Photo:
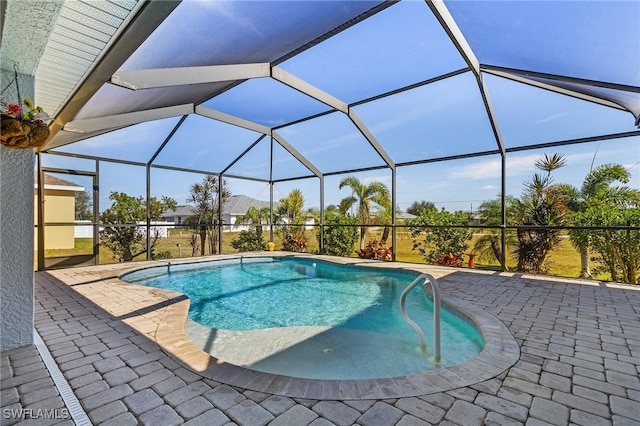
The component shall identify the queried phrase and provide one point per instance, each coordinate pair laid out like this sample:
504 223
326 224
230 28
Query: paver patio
579 360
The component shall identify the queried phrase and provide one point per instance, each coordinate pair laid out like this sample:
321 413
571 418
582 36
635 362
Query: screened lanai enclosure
510 128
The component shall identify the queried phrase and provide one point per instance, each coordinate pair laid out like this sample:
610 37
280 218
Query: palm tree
489 244
542 204
363 195
344 206
596 187
256 217
290 212
205 198
384 214
291 206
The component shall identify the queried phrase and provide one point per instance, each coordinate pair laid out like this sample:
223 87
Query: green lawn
564 260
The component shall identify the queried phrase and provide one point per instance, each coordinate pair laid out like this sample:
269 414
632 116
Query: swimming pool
310 319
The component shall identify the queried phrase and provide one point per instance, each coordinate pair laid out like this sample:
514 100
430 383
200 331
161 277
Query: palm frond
601 178
549 163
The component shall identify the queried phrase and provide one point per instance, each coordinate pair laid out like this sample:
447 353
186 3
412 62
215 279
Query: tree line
597 203
441 237
540 216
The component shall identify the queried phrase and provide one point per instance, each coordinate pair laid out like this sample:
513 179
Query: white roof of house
236 205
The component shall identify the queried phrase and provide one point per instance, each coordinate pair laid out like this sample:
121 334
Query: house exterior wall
16 228
234 225
59 207
174 219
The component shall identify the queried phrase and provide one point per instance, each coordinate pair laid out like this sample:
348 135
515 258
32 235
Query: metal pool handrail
436 311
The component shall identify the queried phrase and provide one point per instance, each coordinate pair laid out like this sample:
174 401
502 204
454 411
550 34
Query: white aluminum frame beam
450 26
232 119
235 160
562 78
302 86
150 15
308 89
166 77
64 138
249 125
553 88
488 105
298 156
372 139
127 119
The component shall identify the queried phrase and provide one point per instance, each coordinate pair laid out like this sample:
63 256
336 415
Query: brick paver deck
579 360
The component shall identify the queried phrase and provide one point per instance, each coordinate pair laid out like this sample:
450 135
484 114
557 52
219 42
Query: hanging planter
15 133
23 129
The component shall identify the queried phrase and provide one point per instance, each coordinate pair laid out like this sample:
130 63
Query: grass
82 246
564 260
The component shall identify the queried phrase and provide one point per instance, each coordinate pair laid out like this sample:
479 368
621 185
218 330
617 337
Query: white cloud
227 10
411 115
551 118
489 187
384 179
482 169
574 159
491 169
517 165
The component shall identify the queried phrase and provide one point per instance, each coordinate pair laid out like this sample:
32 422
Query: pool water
312 319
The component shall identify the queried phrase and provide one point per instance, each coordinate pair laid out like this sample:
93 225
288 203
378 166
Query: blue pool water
346 304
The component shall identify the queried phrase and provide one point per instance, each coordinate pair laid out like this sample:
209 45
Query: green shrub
449 260
615 251
164 254
339 240
435 241
375 250
249 241
294 242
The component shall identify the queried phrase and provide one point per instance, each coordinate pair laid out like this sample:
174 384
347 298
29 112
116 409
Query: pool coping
500 352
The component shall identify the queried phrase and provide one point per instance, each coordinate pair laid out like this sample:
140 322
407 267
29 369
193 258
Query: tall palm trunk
213 240
363 231
193 242
203 239
385 235
585 272
496 247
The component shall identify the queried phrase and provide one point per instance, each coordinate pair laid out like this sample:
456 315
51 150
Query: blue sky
455 185
436 120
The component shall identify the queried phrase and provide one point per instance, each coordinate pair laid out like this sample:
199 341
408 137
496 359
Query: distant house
59 207
404 216
237 206
234 207
178 215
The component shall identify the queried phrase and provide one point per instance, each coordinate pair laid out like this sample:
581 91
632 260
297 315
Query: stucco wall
16 235
16 248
